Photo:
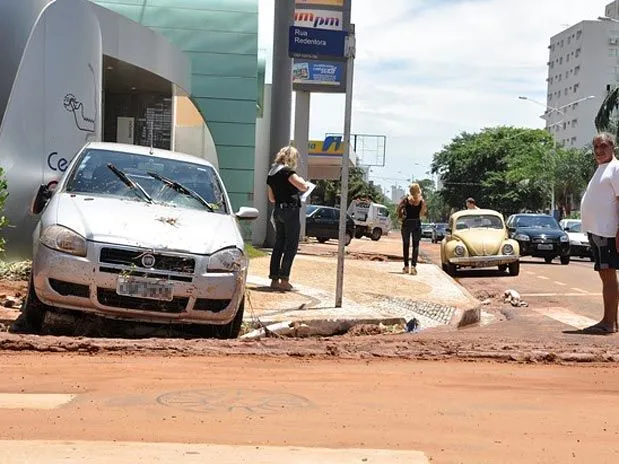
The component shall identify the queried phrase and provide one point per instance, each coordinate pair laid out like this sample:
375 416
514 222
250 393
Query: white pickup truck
371 219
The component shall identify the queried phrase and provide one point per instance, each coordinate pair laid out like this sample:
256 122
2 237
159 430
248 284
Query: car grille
545 240
134 258
113 270
109 297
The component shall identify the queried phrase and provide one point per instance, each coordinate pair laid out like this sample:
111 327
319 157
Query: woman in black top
284 187
410 210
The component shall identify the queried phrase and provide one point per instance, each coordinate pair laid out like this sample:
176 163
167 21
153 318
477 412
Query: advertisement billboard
319 73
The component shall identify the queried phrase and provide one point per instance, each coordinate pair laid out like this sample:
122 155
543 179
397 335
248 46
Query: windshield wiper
133 185
177 186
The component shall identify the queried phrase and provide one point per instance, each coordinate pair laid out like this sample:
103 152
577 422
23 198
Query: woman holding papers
284 189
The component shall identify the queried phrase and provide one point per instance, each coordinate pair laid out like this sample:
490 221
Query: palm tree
606 120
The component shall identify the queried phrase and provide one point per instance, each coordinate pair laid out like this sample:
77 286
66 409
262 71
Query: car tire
451 269
502 267
347 239
591 258
358 234
549 259
233 328
322 239
514 268
32 313
376 234
565 259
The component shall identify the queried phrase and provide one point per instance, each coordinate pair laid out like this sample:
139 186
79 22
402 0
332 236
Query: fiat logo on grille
148 260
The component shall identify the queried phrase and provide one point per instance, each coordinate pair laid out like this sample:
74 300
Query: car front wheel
32 313
322 239
347 239
565 259
376 234
514 268
548 259
233 328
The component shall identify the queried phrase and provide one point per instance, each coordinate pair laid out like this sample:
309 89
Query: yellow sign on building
330 146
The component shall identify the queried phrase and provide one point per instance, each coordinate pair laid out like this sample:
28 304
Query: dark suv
323 223
539 235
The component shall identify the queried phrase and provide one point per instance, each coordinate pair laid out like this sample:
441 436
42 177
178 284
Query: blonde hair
415 190
288 156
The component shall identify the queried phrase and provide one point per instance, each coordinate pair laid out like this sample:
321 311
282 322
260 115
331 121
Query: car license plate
145 288
544 246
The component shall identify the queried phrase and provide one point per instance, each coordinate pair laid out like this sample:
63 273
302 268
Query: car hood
140 224
481 242
578 237
537 231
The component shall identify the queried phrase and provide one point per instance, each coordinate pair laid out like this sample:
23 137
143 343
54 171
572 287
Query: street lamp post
549 111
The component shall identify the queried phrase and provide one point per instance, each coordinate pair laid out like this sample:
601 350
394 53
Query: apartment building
583 62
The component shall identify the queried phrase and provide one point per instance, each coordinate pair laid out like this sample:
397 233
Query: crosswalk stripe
34 400
567 317
56 452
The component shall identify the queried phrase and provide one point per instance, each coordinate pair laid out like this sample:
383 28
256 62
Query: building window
576 69
567 58
577 53
612 52
576 87
578 34
566 74
561 60
574 122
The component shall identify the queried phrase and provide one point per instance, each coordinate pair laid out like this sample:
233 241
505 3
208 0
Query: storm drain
427 313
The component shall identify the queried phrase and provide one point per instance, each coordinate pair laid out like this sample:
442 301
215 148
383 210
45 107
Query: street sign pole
350 64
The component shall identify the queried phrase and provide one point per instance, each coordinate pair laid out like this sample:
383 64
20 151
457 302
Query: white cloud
427 70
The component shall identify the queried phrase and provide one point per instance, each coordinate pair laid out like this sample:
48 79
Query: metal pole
350 66
281 91
552 183
301 141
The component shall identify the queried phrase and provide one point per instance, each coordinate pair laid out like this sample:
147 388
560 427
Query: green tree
327 192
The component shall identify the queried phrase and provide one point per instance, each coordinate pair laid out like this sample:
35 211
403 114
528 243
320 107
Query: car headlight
459 250
508 249
522 238
227 260
564 238
63 239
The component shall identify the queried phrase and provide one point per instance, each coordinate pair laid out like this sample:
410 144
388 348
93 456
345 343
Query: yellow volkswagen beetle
478 238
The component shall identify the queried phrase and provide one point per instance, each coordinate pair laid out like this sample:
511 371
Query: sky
427 70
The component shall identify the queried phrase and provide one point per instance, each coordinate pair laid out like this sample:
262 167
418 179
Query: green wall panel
217 64
221 40
231 111
238 135
236 157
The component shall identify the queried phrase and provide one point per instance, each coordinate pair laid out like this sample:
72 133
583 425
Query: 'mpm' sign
319 19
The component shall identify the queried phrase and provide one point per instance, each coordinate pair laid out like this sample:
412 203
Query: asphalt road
558 291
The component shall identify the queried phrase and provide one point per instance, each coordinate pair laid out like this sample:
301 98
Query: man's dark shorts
604 252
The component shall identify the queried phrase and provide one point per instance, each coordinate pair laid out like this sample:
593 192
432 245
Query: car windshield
441 226
575 227
311 209
481 221
537 222
101 173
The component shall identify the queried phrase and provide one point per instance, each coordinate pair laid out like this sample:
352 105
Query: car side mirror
41 198
511 229
448 230
246 213
567 229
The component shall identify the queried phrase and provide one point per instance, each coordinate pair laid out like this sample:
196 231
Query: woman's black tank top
412 211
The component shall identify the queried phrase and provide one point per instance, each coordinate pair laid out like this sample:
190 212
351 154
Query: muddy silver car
139 234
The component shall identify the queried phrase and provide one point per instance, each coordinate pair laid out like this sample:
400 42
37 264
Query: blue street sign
306 42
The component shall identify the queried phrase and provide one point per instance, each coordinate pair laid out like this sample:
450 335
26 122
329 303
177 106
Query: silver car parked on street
138 234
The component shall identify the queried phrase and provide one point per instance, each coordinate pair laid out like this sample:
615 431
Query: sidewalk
375 290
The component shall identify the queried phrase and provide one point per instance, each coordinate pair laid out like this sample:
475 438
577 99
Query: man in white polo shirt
600 219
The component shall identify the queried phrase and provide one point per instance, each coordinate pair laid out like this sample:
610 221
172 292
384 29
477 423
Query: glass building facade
220 37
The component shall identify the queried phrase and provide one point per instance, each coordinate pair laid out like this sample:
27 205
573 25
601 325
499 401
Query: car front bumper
544 249
580 250
483 261
85 284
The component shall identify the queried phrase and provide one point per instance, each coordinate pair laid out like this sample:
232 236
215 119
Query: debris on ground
513 297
